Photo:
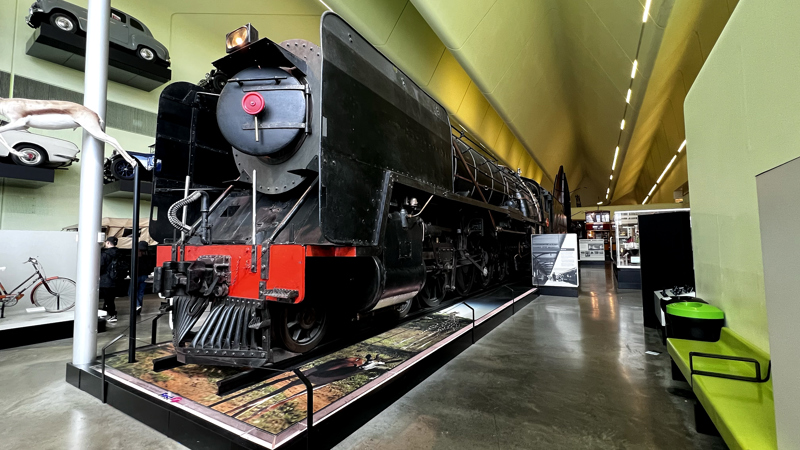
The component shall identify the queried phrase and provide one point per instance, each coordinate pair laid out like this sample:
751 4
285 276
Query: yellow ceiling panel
498 40
449 82
414 43
467 14
505 139
490 127
375 19
473 108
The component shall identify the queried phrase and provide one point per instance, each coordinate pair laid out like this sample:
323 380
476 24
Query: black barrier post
154 331
309 405
103 368
473 320
134 287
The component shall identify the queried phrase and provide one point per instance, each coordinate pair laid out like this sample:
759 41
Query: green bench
731 380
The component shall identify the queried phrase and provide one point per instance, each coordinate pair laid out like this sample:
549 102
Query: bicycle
54 294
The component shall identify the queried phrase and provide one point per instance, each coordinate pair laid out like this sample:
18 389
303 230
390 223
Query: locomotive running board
179 402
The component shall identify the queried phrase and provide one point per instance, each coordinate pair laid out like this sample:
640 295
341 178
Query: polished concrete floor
563 373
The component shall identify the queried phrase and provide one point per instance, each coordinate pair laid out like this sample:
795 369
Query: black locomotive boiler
302 185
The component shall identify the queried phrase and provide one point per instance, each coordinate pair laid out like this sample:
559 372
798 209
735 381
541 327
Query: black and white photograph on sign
592 250
598 216
555 259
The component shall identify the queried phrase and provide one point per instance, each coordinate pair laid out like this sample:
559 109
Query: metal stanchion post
134 287
84 347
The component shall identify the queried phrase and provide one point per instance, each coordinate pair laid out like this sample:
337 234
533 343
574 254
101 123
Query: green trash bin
694 320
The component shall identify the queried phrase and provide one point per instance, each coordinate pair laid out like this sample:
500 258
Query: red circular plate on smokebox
253 103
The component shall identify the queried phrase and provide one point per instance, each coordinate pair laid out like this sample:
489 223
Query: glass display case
627 236
627 233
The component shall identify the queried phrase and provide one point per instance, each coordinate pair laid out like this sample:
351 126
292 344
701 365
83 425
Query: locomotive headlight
240 37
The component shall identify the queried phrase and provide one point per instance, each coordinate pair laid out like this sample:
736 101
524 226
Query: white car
38 150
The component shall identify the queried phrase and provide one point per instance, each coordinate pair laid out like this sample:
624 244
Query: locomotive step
289 294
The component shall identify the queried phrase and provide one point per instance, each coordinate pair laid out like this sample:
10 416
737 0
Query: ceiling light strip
683 145
666 169
646 11
628 97
614 164
635 66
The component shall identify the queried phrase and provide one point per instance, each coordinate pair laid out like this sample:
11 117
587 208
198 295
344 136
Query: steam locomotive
304 185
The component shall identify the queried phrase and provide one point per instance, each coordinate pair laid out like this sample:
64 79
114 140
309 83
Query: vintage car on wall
123 30
116 168
38 150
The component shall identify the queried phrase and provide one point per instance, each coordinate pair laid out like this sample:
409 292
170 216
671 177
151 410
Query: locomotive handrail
213 207
463 160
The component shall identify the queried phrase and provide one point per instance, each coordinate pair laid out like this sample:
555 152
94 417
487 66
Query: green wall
194 32
742 118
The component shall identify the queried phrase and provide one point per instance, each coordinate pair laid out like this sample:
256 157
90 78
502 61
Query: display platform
19 327
628 278
350 384
124 189
68 49
27 177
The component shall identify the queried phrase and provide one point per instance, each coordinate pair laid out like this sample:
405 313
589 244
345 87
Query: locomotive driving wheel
486 261
302 327
432 292
465 277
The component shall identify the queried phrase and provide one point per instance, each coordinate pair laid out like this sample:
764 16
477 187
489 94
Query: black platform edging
36 334
24 176
198 434
124 189
559 291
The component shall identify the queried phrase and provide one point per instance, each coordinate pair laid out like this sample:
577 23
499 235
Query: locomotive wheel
465 277
501 271
401 310
432 293
302 327
490 268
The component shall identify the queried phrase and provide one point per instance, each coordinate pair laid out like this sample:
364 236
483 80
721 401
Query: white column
84 347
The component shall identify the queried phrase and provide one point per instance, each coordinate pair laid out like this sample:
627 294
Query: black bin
694 320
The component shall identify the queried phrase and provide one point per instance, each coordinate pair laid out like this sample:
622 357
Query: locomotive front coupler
209 275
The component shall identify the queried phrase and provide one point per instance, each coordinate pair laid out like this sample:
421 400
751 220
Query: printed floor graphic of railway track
279 402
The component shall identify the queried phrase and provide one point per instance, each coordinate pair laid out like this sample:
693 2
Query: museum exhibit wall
56 251
398 30
194 33
742 118
579 212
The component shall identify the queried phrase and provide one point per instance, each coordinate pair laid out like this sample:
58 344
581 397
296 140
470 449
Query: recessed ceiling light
606 196
683 145
608 191
599 203
628 97
635 65
646 11
616 153
611 177
666 168
622 125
